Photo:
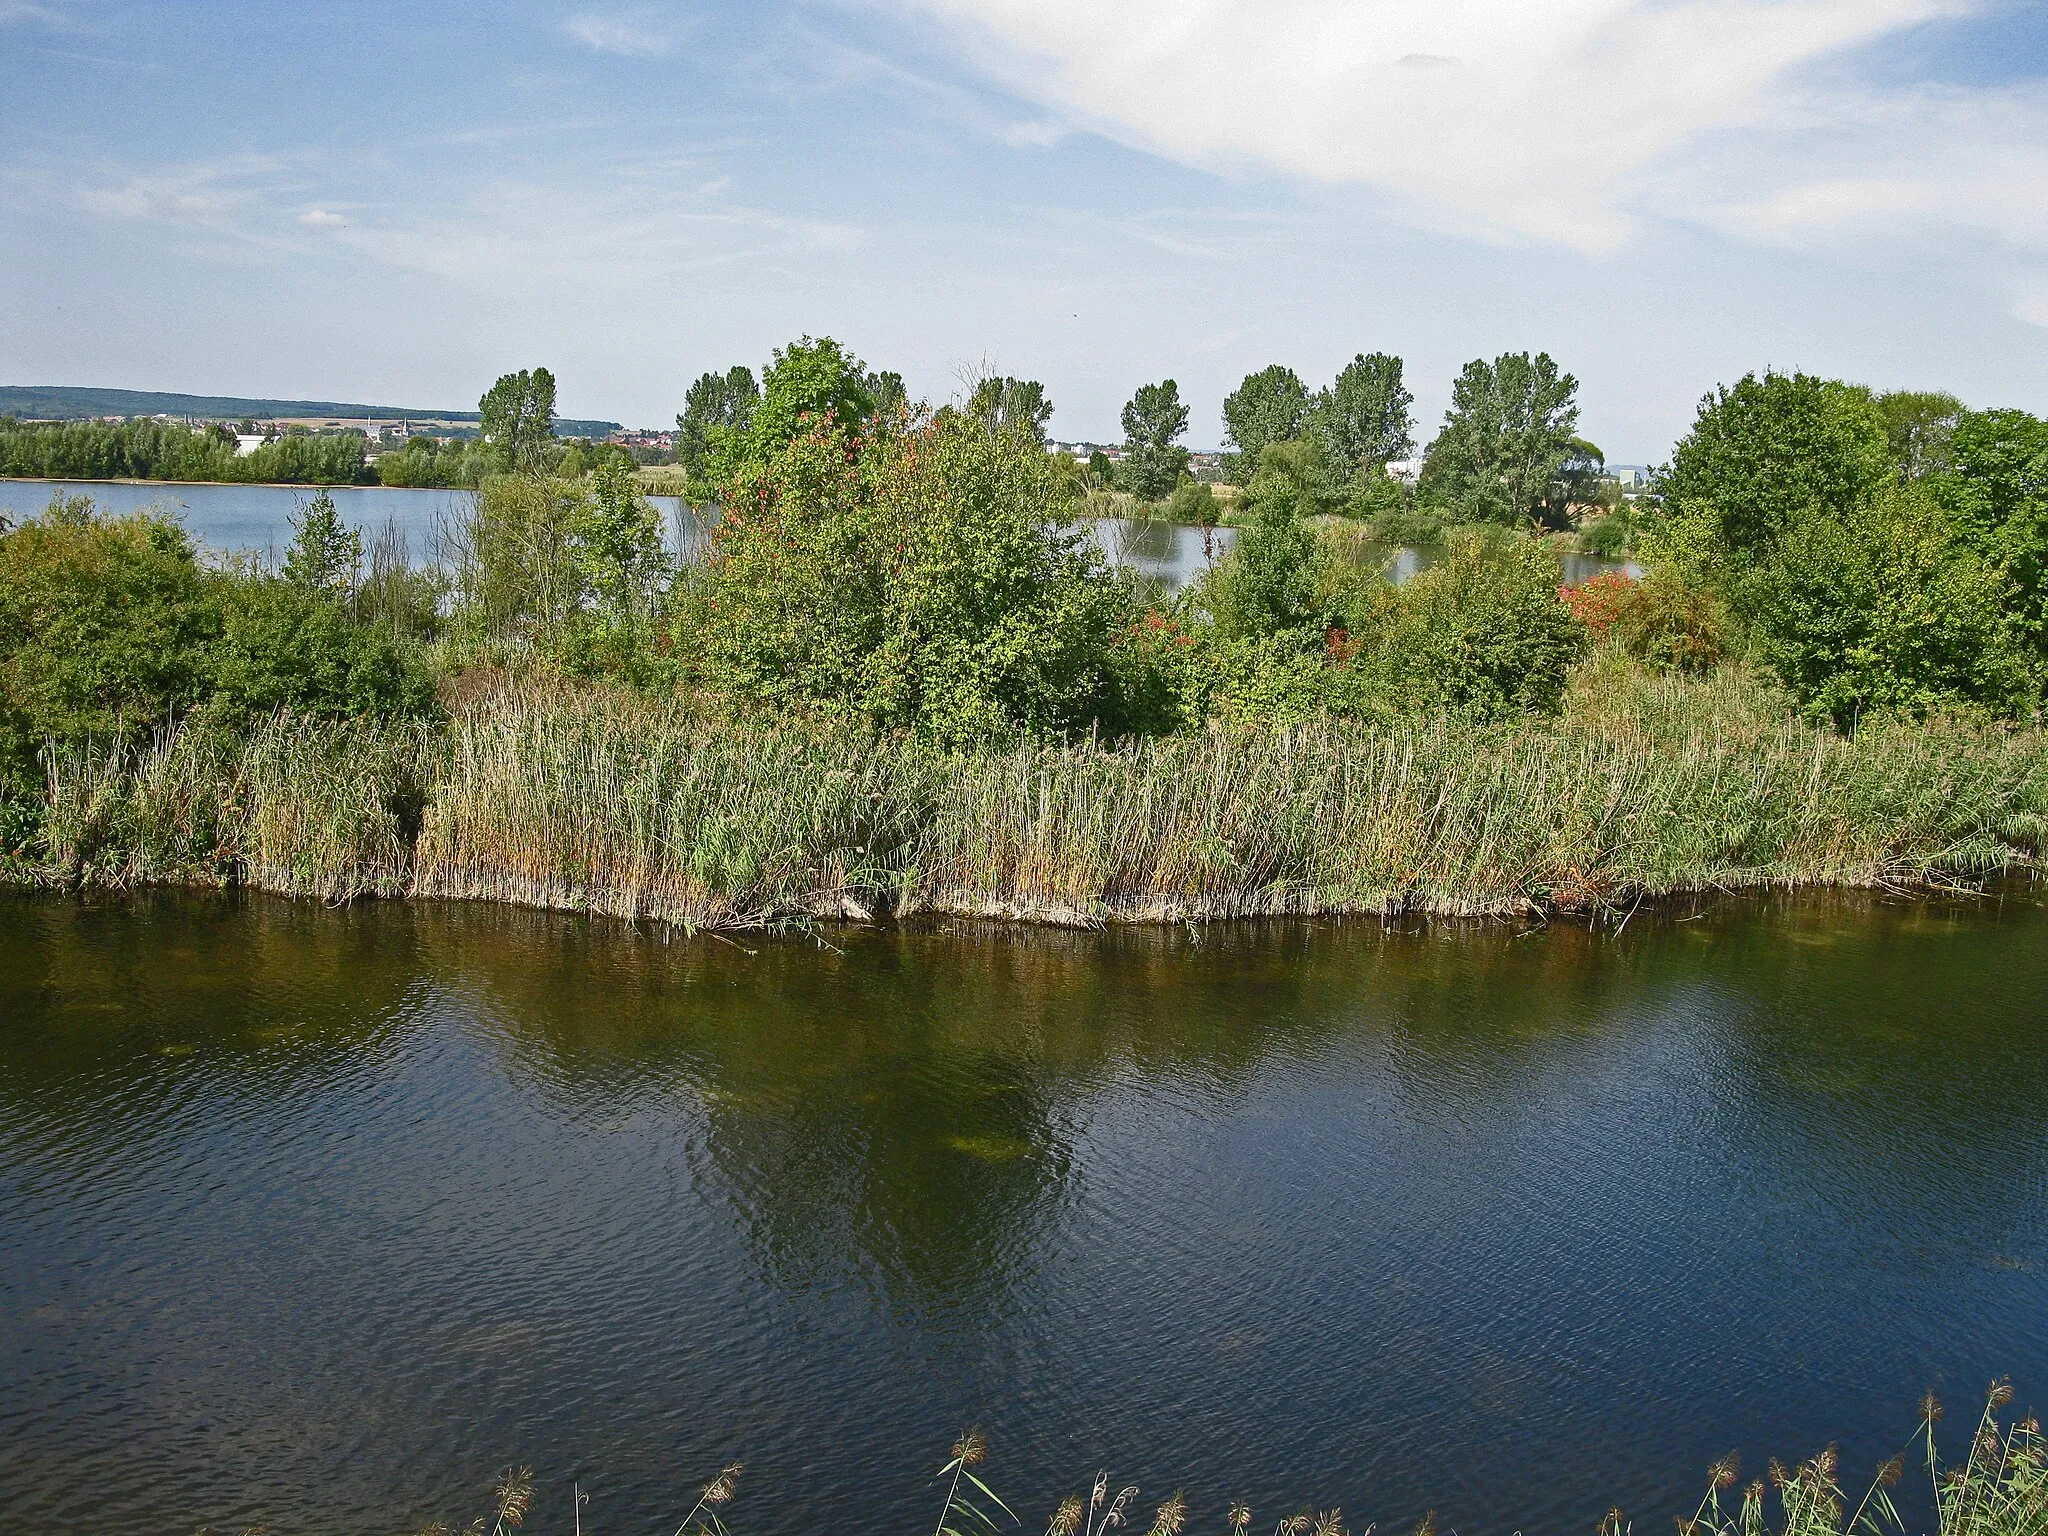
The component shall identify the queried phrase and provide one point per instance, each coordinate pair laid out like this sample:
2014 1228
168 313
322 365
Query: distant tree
324 556
1154 421
1919 424
1509 432
1364 418
717 402
1270 406
519 420
1762 453
887 392
1100 470
1013 405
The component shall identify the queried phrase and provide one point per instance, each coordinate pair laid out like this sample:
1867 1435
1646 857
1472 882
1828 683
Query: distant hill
58 402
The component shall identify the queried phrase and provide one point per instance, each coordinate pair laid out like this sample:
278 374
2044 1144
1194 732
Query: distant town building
1407 471
247 443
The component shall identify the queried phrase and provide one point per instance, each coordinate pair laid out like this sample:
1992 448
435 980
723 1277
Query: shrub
1886 608
104 628
1192 503
917 574
1484 633
283 645
1661 619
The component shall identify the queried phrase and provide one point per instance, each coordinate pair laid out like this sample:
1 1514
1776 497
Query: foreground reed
615 803
2000 1488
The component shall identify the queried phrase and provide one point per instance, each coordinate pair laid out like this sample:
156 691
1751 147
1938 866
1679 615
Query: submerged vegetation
895 680
1999 1488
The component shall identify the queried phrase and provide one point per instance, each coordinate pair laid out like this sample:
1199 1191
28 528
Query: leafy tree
806 383
1012 405
1918 424
325 556
519 420
916 576
1997 484
285 645
1762 454
1100 469
1192 503
1272 582
1363 418
888 393
1510 431
1884 606
1270 406
715 404
618 546
1154 422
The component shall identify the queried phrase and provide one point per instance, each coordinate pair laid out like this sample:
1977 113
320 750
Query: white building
245 444
1407 471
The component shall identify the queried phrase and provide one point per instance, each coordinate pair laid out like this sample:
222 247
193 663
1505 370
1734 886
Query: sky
396 203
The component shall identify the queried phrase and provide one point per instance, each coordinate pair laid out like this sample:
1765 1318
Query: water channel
257 519
318 1217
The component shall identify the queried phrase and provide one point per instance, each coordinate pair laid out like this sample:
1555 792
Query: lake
319 1216
257 519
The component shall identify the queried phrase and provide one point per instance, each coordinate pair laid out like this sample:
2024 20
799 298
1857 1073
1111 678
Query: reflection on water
319 1216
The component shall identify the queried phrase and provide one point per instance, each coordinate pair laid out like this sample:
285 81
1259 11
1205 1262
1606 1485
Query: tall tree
1012 405
1508 435
716 402
888 393
519 420
1364 418
325 555
1919 424
1270 406
1154 422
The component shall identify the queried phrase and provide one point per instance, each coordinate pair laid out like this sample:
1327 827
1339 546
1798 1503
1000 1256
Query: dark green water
318 1217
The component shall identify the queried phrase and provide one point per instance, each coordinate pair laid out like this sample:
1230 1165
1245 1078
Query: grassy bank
593 800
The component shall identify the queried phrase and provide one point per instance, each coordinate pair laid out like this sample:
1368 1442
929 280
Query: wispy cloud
321 218
632 35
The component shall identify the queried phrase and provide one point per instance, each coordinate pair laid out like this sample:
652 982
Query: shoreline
551 798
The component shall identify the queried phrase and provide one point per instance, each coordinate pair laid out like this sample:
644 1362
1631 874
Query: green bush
1484 633
916 574
1886 608
285 645
105 627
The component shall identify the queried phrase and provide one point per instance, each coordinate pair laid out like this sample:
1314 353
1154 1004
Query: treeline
155 450
886 568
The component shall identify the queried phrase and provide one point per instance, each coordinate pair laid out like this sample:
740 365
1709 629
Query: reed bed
552 796
1998 1488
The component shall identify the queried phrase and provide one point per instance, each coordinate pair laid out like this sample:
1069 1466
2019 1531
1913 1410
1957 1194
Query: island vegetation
899 679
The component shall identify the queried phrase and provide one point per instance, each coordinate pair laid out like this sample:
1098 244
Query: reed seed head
1610 1523
1890 1472
1066 1520
1779 1474
722 1487
1930 1409
1426 1526
1240 1516
2001 1392
1296 1524
971 1449
1330 1523
1827 1461
1117 1506
514 1494
1172 1518
1726 1470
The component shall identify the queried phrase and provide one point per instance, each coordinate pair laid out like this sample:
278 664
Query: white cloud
320 218
1504 119
634 35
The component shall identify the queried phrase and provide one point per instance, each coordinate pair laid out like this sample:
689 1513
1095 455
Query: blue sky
396 203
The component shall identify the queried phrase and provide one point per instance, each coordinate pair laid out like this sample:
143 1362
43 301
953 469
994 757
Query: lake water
318 1217
257 518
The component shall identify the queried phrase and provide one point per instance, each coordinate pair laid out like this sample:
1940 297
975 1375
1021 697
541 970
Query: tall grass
587 800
